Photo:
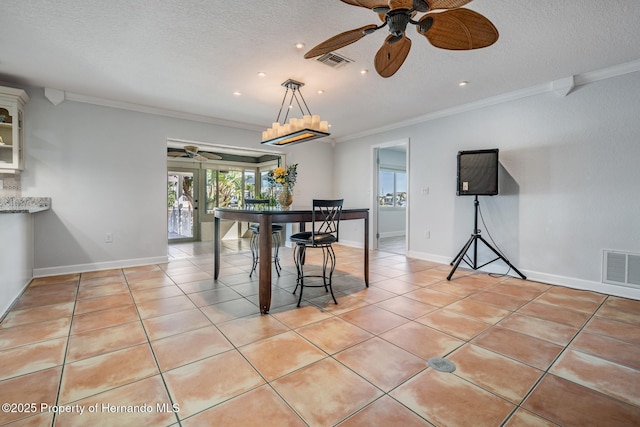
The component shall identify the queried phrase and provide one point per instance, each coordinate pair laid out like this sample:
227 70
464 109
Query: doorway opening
391 183
217 175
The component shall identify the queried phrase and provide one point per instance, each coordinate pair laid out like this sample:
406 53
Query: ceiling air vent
621 268
334 60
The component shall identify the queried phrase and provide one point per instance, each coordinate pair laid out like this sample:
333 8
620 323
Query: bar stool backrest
326 217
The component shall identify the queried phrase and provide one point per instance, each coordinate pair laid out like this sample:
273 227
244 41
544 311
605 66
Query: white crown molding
607 73
483 103
563 87
76 97
55 96
577 80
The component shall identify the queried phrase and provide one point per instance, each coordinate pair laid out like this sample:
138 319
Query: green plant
269 196
171 194
229 187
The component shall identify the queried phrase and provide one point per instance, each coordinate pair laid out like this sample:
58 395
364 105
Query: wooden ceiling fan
192 152
445 24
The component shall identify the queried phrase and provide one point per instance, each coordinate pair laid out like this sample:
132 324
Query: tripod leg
461 255
499 255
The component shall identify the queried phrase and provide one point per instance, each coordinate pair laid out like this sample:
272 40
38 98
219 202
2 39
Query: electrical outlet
465 186
425 191
427 234
108 237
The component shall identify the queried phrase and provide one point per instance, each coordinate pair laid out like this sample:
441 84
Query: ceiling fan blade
444 4
176 154
339 41
400 4
458 29
369 4
391 55
191 149
210 156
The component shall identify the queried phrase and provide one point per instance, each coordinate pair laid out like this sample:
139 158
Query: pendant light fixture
297 130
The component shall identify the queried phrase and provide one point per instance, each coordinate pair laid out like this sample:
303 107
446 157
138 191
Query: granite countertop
24 204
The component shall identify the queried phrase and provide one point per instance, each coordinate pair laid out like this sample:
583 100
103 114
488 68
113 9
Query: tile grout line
66 349
555 359
236 348
195 361
153 353
467 341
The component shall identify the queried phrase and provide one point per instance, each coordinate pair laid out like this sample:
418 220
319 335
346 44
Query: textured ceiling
190 56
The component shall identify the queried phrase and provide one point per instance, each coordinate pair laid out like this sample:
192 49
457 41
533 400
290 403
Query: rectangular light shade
296 137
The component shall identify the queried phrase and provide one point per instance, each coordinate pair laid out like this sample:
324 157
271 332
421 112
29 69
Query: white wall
569 182
16 256
105 169
569 186
315 171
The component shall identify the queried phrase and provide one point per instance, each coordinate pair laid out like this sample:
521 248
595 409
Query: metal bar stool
325 220
255 237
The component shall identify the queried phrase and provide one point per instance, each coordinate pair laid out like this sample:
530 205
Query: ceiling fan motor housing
398 20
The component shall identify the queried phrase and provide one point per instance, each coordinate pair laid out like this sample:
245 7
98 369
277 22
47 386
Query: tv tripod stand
473 240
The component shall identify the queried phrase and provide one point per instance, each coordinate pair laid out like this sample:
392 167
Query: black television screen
478 173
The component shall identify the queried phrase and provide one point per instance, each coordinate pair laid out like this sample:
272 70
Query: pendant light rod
284 98
293 86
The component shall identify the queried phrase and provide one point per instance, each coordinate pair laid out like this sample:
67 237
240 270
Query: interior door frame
374 209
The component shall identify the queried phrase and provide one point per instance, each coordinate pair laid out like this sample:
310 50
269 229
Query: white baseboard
5 310
399 233
586 285
536 276
429 257
96 266
352 243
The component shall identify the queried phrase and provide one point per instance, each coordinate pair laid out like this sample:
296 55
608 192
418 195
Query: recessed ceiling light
299 45
236 93
261 74
320 92
364 71
463 83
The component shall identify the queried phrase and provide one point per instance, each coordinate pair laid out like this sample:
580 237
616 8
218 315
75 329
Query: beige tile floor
167 345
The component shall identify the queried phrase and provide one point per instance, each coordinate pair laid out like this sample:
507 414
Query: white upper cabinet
12 102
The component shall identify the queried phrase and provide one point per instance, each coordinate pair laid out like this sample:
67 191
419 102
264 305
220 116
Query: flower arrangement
284 176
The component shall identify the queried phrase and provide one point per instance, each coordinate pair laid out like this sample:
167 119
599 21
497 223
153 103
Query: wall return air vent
334 60
621 268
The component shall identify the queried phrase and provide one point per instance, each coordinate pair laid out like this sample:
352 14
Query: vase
286 198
